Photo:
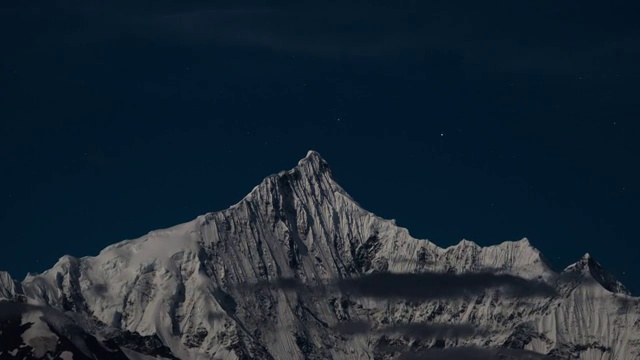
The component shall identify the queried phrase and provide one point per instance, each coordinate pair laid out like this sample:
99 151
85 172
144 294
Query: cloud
502 37
354 327
448 331
472 353
287 284
100 289
344 31
418 286
416 330
216 316
424 286
473 35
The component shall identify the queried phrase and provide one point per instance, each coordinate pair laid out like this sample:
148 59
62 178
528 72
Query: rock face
40 332
251 282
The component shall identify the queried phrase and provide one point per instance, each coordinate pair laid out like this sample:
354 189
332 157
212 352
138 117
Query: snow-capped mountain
298 270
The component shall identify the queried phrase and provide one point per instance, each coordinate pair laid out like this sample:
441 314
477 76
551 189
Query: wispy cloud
472 34
345 31
472 353
355 30
420 286
416 330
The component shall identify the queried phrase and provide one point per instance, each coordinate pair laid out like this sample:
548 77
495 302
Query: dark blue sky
488 123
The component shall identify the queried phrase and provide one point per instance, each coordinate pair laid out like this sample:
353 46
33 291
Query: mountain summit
298 270
592 270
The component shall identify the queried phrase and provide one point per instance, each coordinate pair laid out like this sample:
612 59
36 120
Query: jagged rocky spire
592 269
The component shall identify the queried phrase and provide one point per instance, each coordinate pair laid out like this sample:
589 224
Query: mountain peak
8 287
313 163
524 241
467 244
590 268
312 176
312 157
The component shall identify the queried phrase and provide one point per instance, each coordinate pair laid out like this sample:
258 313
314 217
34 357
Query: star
441 134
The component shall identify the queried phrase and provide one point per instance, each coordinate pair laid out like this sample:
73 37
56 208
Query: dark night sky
458 120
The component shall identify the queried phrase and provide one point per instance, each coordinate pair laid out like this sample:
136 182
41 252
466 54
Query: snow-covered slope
255 281
40 332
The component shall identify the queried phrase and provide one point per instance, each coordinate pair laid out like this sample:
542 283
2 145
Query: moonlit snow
187 291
